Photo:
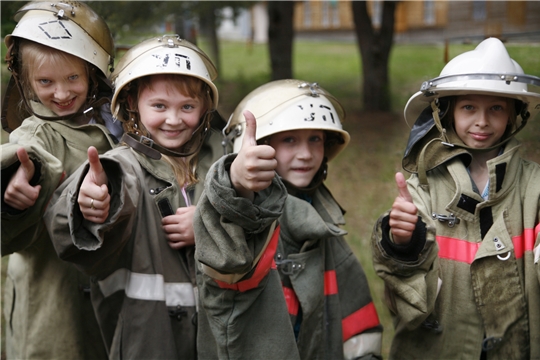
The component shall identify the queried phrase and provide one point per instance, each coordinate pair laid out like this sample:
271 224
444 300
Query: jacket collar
503 171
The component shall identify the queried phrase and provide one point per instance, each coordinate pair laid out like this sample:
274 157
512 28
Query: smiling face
60 82
481 120
169 116
299 154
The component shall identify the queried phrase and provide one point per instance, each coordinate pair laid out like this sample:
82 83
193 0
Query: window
429 12
479 10
307 14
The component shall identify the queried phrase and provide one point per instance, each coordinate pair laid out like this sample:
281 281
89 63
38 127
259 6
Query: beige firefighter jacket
142 290
256 282
469 281
47 304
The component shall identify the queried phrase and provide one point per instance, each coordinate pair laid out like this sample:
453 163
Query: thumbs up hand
19 193
94 199
253 168
403 216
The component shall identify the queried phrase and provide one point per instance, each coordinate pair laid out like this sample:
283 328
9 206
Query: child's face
299 154
480 120
62 88
168 115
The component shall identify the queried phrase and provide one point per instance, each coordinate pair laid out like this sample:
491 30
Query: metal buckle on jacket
490 343
451 219
147 141
287 266
178 312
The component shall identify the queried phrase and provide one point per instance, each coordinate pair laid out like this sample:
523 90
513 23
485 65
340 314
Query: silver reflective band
508 78
361 345
148 287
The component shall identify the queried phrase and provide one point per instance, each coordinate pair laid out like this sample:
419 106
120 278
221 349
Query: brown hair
184 167
512 114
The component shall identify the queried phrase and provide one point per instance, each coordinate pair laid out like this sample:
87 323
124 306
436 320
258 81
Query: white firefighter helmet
70 26
284 105
168 54
486 70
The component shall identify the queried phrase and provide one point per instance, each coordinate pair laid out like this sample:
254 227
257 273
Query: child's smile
168 115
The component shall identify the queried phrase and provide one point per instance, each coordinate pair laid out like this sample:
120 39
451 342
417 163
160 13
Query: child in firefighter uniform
126 217
292 289
459 250
59 55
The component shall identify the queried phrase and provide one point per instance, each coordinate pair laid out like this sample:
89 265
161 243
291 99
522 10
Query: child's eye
498 107
73 77
188 107
288 139
468 107
44 81
315 138
159 106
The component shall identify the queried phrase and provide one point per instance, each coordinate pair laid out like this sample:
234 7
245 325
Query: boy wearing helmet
125 218
459 250
296 292
59 56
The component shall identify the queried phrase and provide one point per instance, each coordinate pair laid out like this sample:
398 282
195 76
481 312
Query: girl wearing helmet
459 250
126 217
296 292
59 56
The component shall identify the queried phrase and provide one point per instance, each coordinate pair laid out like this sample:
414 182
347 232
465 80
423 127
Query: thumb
250 138
96 169
402 187
26 164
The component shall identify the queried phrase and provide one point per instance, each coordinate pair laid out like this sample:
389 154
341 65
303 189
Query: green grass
361 177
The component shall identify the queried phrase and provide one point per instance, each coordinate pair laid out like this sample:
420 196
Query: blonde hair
33 56
184 168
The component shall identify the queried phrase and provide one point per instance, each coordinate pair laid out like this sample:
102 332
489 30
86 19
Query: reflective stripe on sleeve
262 268
150 287
359 321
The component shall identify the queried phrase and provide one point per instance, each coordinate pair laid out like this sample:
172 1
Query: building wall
415 21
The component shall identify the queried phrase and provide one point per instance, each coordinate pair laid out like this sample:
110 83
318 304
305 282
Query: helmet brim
419 101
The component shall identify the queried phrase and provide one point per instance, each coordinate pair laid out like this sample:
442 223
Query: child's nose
62 92
304 152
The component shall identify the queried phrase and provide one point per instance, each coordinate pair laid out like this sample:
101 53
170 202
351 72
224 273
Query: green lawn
361 177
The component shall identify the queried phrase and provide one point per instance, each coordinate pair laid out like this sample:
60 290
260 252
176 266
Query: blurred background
371 55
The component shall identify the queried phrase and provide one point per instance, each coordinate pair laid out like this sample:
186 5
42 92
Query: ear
131 102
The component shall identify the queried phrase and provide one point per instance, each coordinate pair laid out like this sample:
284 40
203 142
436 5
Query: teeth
65 103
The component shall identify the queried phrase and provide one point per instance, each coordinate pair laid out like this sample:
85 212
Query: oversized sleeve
410 272
20 228
231 231
92 247
242 312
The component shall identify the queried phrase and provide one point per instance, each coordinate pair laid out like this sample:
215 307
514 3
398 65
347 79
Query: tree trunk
375 46
209 29
280 38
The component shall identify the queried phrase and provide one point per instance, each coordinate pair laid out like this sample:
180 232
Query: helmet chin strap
147 146
85 114
445 140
